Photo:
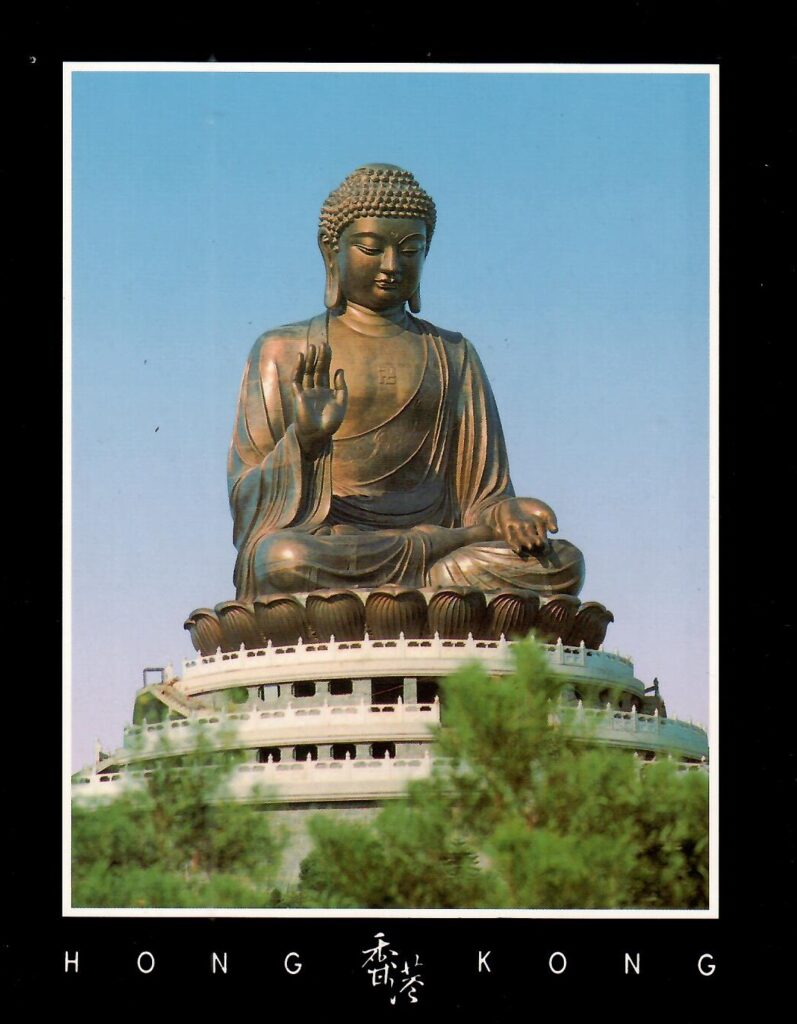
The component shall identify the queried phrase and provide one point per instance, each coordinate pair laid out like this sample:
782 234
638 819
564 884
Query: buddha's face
380 260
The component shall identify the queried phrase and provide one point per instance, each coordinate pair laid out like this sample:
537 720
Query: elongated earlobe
333 296
415 301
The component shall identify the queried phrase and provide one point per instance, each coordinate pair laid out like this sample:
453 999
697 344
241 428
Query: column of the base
361 692
410 690
361 689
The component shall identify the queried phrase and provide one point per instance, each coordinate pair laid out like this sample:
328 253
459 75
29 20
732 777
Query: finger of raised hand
322 366
341 391
309 370
298 372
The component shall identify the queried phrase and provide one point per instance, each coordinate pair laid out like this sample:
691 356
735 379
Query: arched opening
340 687
383 749
342 751
305 752
265 754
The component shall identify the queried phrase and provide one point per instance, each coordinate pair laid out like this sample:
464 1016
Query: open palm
318 408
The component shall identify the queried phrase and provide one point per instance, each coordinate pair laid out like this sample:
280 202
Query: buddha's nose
390 261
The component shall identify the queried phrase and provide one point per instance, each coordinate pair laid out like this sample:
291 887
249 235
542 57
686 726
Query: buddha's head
374 234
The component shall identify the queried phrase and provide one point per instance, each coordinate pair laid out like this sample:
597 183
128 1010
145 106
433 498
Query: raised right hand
318 409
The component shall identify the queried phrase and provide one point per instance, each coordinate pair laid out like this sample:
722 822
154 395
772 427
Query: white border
712 71
713 505
394 68
66 611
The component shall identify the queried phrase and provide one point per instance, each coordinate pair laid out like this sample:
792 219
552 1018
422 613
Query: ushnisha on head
374 233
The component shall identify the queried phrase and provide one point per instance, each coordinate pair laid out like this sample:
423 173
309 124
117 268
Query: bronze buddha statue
367 448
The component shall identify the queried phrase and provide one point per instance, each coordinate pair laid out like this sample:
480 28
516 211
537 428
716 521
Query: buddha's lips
386 284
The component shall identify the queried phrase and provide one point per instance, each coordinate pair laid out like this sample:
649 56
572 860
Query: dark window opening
428 689
383 750
301 752
264 753
387 690
303 689
341 750
340 687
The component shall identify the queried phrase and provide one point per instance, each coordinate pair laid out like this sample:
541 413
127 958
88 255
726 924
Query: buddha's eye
368 251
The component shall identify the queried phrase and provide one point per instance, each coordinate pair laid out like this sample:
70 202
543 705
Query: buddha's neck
382 324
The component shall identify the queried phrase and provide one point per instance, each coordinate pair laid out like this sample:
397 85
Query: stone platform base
391 611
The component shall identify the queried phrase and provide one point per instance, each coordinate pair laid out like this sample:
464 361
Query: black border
757 59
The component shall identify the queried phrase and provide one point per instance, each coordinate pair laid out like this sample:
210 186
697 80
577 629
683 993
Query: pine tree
521 813
176 842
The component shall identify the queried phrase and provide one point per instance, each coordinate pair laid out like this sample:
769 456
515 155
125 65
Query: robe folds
373 507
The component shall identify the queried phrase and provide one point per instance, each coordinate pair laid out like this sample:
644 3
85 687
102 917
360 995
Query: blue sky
571 248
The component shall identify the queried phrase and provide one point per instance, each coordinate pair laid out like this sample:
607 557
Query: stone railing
293 781
358 723
284 726
630 729
305 781
362 658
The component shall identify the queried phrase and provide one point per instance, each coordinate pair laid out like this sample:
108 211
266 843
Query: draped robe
373 507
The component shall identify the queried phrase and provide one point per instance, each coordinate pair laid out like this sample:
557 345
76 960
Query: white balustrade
294 781
329 723
362 658
629 728
301 781
285 726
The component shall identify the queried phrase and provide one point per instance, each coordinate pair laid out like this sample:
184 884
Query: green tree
176 842
521 815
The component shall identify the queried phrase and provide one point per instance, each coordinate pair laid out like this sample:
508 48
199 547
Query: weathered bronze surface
390 611
338 613
367 448
589 625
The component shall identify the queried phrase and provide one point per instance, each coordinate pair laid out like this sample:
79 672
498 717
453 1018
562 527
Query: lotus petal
393 609
238 625
205 630
590 625
512 613
281 619
556 617
456 611
338 613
